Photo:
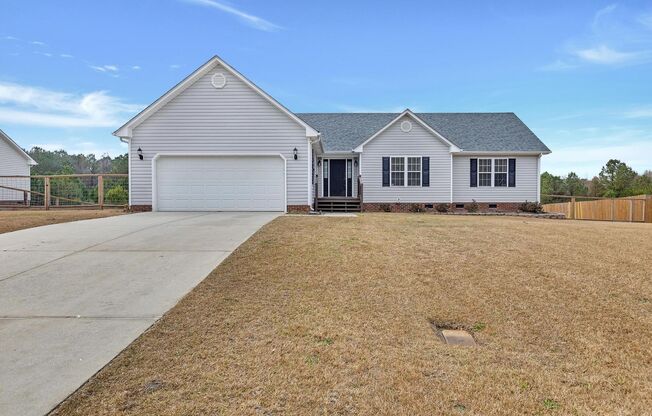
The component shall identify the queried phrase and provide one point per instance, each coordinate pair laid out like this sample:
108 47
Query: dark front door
338 177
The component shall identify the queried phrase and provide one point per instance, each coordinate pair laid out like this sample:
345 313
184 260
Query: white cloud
640 112
175 66
65 55
586 161
251 20
21 104
646 20
50 147
597 17
585 150
104 68
558 65
603 54
135 67
616 36
37 43
77 145
47 54
10 38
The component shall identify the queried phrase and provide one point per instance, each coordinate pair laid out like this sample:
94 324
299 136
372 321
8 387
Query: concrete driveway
73 295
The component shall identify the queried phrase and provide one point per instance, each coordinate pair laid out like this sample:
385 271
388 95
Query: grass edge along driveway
333 315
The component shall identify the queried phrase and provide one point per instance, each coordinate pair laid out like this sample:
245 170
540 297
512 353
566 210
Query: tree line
59 162
615 180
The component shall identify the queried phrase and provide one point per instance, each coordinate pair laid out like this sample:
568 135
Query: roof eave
505 152
19 149
126 130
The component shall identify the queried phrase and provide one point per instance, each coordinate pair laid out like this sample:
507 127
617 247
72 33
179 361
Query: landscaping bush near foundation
385 208
442 207
533 207
416 208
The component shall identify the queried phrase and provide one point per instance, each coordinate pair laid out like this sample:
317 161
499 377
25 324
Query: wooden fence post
613 209
100 191
631 210
46 186
572 208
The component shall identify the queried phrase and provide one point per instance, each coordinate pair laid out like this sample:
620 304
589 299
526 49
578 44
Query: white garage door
220 183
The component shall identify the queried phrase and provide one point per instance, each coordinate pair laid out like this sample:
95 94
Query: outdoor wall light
355 162
319 162
296 153
140 153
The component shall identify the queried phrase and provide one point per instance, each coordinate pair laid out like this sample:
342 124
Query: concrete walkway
73 295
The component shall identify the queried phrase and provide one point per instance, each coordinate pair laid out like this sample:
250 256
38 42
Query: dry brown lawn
332 316
19 220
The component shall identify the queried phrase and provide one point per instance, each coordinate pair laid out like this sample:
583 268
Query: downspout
311 176
126 140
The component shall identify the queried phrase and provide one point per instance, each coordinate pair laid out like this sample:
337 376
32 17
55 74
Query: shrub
472 207
117 195
533 207
442 207
416 208
385 208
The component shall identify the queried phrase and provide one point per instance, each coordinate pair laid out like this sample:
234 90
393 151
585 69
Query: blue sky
578 73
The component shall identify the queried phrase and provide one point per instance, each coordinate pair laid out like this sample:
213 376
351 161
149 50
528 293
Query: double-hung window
492 172
405 171
484 172
397 171
500 172
414 171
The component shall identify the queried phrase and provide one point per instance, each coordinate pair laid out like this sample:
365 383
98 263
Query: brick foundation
140 208
298 209
304 209
421 207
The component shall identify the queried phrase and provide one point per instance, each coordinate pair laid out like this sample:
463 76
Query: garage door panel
220 183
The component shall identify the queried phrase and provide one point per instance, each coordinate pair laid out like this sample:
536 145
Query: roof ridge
415 112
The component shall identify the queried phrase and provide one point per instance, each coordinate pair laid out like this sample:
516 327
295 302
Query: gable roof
410 114
18 149
127 129
471 132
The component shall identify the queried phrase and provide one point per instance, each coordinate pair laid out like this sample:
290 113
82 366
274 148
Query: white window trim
405 172
493 172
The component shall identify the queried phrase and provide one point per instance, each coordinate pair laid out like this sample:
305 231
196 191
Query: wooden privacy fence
64 191
628 209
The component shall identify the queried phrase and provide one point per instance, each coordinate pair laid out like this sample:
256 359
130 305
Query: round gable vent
218 80
406 126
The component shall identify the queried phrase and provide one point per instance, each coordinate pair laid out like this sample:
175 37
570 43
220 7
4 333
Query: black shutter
512 173
425 171
474 173
385 171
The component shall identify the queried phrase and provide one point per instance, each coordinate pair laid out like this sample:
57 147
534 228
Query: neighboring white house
217 142
14 161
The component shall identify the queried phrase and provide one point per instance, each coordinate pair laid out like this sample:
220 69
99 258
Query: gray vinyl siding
12 163
527 177
209 120
417 142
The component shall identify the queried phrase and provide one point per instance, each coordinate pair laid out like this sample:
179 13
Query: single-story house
15 165
217 142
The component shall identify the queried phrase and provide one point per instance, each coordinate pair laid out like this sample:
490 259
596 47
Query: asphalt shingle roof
498 132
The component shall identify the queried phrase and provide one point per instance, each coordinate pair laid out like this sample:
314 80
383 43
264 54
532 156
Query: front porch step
338 204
